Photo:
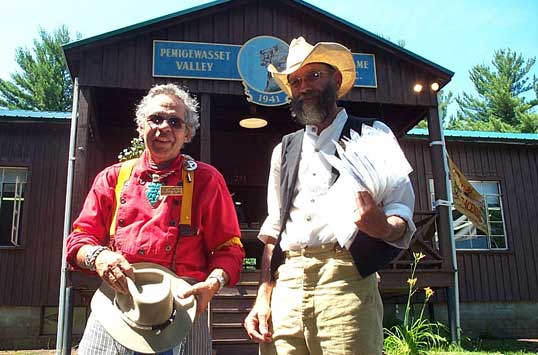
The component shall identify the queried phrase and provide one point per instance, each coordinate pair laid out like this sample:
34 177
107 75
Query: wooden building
33 171
33 166
115 69
498 274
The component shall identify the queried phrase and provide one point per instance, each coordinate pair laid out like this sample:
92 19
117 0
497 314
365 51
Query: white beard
310 114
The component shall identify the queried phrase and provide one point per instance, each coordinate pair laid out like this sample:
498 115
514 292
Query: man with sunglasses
166 209
317 296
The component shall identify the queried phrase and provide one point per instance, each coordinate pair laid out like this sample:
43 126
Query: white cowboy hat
301 53
152 318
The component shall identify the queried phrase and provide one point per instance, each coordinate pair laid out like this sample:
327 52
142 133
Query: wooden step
228 316
233 341
227 324
235 347
249 284
228 310
250 276
228 331
238 303
238 291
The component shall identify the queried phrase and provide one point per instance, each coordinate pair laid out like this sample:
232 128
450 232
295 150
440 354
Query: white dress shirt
308 224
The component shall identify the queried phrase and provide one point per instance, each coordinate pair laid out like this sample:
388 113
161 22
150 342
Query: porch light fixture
253 122
435 86
417 87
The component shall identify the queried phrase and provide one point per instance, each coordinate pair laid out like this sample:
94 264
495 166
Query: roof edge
480 135
119 31
28 115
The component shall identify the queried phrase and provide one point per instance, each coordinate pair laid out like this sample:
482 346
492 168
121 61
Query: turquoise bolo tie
153 190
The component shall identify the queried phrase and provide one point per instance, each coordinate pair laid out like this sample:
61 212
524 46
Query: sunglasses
157 121
310 77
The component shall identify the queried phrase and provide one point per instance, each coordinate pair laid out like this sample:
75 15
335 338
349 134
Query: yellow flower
412 282
418 256
429 292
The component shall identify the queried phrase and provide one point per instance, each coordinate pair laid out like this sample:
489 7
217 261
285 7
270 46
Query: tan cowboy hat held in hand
152 318
301 53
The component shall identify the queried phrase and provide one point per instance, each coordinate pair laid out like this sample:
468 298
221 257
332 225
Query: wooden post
82 140
444 226
440 177
205 128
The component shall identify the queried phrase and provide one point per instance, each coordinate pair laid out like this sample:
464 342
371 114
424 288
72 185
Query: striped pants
96 340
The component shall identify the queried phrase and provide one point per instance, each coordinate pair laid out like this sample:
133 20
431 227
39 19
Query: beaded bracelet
220 280
91 256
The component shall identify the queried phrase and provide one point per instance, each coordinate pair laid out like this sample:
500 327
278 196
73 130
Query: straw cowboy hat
152 318
301 53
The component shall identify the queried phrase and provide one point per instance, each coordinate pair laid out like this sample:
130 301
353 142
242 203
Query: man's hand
203 292
371 219
113 268
257 323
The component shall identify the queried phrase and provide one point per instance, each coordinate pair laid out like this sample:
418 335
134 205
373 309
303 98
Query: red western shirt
152 234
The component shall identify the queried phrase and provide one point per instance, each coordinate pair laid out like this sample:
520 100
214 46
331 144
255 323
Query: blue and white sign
195 60
254 58
247 63
365 70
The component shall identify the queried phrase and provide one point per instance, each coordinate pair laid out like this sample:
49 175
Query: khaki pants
321 305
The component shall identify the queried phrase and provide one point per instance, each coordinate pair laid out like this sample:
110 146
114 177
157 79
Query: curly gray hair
191 105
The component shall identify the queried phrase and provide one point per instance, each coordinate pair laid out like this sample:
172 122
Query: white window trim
432 197
18 199
16 213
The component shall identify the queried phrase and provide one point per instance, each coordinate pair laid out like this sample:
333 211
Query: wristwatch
220 279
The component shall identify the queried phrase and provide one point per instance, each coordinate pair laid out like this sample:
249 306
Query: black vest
370 254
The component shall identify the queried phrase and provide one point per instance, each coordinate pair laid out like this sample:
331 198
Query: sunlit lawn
480 353
493 347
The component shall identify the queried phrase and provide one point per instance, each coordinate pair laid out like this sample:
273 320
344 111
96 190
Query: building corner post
445 229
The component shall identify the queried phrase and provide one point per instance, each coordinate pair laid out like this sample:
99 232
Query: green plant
416 335
134 151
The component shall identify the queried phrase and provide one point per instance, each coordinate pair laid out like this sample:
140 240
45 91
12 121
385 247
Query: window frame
23 207
499 195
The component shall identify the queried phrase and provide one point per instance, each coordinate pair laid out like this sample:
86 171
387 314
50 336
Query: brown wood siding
493 276
30 274
126 60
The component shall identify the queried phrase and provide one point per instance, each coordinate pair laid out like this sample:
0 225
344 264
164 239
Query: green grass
492 347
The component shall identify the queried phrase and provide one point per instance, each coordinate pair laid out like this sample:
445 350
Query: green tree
501 104
43 82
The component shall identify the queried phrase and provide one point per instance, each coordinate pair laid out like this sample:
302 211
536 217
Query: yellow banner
467 200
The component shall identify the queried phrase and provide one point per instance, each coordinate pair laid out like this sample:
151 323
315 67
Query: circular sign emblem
253 59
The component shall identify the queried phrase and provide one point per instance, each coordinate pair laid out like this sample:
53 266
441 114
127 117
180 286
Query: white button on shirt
307 225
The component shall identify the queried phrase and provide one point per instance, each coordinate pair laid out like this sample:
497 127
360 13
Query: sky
456 34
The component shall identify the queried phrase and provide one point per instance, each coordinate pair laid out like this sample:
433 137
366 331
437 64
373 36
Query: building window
466 235
12 188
